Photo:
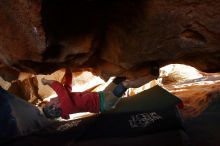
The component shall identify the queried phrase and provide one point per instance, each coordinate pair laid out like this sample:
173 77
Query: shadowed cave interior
101 39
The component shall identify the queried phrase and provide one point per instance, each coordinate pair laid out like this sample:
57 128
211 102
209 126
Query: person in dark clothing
18 117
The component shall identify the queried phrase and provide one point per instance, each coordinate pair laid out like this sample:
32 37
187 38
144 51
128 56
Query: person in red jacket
69 102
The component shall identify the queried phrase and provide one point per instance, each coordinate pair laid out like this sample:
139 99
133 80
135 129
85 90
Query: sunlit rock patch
4 84
196 89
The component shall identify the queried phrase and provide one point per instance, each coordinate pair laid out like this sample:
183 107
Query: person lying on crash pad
69 102
19 118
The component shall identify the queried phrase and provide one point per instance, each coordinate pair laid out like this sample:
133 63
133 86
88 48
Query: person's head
52 109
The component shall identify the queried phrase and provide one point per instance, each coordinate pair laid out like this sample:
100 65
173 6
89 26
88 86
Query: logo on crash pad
143 120
68 125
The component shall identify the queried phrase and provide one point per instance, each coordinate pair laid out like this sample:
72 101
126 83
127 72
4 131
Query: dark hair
52 111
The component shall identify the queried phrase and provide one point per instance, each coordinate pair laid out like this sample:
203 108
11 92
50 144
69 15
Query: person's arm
65 100
115 90
67 79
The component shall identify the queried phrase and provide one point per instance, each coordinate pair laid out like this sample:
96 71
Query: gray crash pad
155 98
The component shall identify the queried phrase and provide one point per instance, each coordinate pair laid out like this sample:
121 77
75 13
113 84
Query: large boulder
109 37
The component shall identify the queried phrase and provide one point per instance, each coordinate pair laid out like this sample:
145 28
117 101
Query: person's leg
67 79
117 88
8 124
111 97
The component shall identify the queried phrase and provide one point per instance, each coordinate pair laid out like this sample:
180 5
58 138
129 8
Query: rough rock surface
8 74
22 35
113 37
196 89
26 89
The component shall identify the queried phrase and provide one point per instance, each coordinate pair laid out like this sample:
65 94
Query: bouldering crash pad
148 116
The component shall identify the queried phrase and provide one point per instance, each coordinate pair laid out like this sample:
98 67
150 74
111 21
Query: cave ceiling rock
43 36
22 35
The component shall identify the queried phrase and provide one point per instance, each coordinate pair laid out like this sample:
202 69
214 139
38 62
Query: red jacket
73 102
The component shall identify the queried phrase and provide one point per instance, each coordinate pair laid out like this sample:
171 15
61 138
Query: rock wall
26 89
196 89
111 37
